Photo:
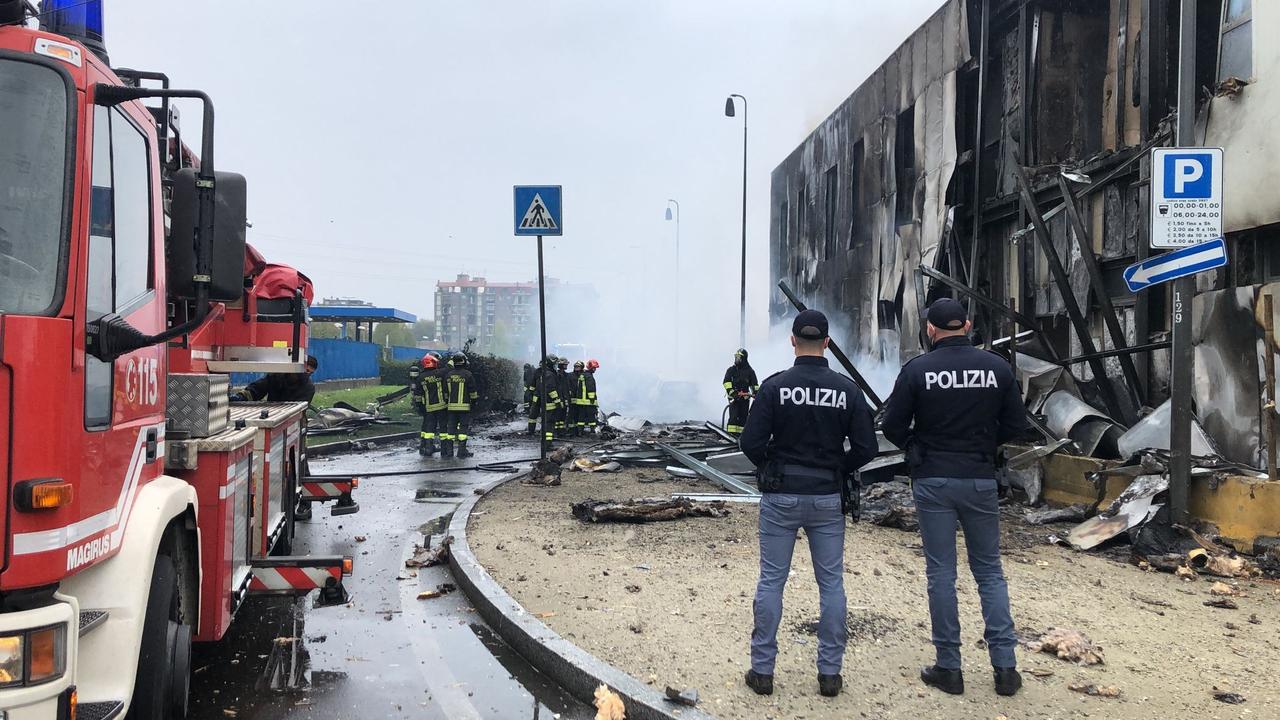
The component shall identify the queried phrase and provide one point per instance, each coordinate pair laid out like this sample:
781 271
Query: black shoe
1008 680
761 684
948 681
829 685
463 452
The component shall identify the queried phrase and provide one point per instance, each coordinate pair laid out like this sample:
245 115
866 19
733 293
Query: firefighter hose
506 466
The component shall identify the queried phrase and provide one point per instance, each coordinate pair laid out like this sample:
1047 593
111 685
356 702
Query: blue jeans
780 517
941 503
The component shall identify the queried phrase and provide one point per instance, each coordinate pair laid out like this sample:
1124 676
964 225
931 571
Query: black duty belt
808 472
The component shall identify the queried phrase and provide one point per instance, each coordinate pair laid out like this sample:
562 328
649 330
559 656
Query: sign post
539 212
1182 357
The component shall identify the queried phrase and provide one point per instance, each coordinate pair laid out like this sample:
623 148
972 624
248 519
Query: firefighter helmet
579 366
429 362
741 354
562 361
593 365
458 359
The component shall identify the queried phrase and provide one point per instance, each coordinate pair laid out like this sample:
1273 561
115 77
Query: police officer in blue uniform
965 402
795 434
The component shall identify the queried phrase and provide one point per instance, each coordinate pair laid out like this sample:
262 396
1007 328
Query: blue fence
345 359
407 354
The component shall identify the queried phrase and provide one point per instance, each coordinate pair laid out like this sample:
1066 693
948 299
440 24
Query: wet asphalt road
386 654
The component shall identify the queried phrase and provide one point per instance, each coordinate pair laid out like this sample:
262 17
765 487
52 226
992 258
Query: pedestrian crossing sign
538 210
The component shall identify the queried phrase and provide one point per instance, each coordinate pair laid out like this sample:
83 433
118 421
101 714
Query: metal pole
1182 359
742 318
542 369
1269 325
677 204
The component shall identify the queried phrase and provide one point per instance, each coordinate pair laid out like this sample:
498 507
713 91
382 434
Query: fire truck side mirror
227 245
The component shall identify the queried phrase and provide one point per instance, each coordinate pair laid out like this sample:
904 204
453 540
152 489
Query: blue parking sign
1189 176
1186 196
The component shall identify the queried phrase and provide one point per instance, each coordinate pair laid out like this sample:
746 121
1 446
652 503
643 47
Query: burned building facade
1001 156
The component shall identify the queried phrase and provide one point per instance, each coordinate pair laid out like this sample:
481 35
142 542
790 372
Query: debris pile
608 705
890 504
1068 644
643 510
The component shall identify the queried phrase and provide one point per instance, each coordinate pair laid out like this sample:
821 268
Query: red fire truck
143 505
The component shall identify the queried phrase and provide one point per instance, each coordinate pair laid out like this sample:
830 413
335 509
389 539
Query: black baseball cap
810 325
947 314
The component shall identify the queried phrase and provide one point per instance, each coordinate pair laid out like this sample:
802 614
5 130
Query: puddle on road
552 700
428 494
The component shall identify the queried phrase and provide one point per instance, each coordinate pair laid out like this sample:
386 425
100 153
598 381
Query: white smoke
635 344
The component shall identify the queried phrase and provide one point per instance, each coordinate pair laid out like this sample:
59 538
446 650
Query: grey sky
381 147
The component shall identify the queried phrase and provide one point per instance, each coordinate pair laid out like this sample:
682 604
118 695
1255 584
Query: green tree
323 330
393 334
424 329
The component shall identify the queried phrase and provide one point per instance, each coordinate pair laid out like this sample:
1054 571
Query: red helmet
593 364
429 362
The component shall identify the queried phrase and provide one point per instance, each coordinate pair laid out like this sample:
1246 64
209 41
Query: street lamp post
677 323
742 318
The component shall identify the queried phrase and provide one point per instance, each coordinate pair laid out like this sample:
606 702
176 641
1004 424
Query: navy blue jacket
965 403
801 417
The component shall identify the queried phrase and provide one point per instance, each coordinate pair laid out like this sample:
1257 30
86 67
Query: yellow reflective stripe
446 436
733 428
428 436
728 386
463 438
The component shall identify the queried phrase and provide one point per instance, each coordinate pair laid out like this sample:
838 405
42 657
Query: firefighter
546 392
530 389
739 385
579 399
282 387
562 385
593 410
431 389
460 392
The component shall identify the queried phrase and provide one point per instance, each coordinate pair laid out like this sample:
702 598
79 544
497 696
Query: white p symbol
1185 172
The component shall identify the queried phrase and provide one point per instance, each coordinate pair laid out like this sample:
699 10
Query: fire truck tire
164 659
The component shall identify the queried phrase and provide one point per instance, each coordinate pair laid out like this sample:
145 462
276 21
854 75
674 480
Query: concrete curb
570 666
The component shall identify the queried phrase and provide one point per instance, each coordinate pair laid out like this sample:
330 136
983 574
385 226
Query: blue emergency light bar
76 19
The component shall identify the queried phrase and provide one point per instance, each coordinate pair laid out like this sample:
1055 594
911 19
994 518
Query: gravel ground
670 603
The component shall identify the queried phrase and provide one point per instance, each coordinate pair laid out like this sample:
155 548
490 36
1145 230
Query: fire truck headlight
47 654
11 660
33 657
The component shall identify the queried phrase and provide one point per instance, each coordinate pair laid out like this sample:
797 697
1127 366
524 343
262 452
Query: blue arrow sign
1180 263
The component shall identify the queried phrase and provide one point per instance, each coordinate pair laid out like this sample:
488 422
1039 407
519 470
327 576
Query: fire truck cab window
119 239
33 147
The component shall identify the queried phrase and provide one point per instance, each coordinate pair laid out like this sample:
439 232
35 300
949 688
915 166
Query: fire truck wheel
164 660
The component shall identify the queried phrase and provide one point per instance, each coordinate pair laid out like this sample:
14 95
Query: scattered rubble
1224 603
1103 691
1229 698
688 696
1068 644
608 705
1223 589
440 591
1044 516
890 504
427 557
641 510
583 464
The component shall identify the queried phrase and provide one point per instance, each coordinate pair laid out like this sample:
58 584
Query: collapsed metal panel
727 482
1228 391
